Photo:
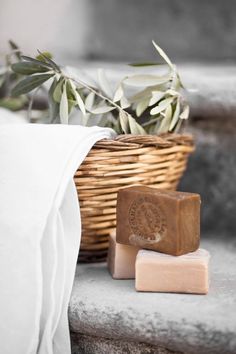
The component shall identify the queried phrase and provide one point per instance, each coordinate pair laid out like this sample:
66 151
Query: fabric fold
39 232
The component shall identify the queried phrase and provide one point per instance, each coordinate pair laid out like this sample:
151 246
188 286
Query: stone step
212 168
107 316
210 88
87 344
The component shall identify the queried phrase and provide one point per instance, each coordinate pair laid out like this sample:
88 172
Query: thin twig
80 82
150 122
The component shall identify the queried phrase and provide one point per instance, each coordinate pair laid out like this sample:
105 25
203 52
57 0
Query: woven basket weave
156 161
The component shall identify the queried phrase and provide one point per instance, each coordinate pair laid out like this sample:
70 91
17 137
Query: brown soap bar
159 220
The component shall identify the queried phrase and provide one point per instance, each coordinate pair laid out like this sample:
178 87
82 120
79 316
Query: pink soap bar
160 272
121 259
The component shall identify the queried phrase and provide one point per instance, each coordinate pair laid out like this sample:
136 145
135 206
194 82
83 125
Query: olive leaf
15 47
118 94
135 128
102 109
163 54
152 121
89 101
42 56
129 124
35 61
58 90
176 81
104 84
30 83
71 105
156 97
124 121
175 117
77 97
141 107
165 123
146 93
147 63
181 85
13 103
146 80
185 113
53 105
28 68
50 62
124 103
63 110
161 106
172 92
177 128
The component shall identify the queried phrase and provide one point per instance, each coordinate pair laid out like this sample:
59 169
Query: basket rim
130 141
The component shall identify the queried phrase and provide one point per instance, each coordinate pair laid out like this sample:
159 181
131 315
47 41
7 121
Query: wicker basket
156 161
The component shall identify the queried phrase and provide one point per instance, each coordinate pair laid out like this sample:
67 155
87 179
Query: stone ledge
111 309
86 344
210 87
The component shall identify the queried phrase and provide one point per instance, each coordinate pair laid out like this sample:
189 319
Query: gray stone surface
86 344
211 172
187 29
211 91
111 309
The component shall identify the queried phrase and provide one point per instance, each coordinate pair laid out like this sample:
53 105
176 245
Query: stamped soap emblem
147 221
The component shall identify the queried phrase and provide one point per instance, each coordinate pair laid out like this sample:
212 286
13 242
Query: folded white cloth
39 232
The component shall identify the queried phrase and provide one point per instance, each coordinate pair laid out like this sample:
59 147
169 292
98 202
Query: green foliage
8 79
46 58
146 63
157 95
30 83
13 104
28 68
53 104
42 56
160 96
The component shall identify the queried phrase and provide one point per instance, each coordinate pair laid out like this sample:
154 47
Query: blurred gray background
121 30
200 36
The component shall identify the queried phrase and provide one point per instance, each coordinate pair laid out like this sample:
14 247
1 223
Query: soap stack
157 241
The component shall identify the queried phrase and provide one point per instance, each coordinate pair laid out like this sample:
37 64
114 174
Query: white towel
39 232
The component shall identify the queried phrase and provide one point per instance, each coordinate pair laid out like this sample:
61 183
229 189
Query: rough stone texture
192 324
189 30
83 344
211 91
211 172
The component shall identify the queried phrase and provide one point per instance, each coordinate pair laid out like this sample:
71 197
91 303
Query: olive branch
160 95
